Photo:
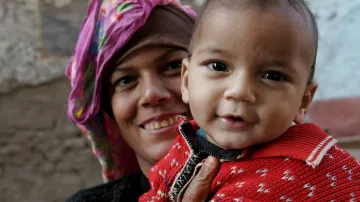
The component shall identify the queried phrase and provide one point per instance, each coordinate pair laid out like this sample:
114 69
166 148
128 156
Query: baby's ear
184 80
305 102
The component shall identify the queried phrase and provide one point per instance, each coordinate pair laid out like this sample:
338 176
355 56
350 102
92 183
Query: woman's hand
198 188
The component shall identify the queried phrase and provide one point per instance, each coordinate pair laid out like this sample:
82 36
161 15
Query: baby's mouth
233 118
237 119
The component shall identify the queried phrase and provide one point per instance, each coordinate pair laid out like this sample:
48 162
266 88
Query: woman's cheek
174 85
123 108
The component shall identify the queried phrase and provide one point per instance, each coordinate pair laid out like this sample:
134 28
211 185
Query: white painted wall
338 64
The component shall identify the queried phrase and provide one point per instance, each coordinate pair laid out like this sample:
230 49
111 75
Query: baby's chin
229 143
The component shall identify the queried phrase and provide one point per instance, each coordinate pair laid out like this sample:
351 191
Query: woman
125 76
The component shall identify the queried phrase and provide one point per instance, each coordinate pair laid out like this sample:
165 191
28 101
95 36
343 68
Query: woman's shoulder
127 188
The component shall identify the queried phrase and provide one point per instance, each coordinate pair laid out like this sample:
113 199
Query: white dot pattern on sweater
284 198
177 146
288 176
332 178
239 184
167 155
263 172
262 188
311 189
235 170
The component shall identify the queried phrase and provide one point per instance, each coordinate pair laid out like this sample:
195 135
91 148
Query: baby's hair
298 5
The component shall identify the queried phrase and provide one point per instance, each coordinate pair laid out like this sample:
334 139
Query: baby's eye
123 81
275 76
217 66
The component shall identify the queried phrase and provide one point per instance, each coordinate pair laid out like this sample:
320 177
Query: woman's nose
241 88
153 92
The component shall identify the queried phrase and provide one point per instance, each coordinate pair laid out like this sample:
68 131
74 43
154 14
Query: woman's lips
162 123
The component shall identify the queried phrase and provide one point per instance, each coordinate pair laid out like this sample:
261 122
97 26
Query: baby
248 78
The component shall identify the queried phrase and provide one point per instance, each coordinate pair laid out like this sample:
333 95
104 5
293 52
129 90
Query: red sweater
304 164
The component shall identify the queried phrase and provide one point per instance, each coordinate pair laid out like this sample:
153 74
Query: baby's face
247 79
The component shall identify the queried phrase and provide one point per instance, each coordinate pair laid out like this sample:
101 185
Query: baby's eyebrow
212 50
284 64
281 63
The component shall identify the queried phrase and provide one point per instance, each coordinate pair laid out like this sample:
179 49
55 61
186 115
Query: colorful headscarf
107 29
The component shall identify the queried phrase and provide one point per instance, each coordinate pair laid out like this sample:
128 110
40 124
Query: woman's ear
184 80
305 102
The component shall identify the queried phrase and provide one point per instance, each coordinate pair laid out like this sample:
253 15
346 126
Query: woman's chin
160 150
156 143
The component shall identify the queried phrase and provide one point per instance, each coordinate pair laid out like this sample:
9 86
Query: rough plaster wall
338 61
43 157
23 59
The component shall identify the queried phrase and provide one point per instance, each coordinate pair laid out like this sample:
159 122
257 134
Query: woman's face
146 99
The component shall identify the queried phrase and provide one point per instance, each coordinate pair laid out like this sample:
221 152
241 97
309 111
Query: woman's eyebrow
166 55
124 68
163 57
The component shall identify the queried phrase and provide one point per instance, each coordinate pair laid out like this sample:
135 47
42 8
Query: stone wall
43 157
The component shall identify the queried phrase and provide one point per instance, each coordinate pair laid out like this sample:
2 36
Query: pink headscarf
108 27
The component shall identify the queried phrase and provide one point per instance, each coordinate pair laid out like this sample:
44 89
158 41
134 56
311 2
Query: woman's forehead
150 55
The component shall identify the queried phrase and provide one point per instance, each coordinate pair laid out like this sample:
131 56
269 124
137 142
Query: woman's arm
199 187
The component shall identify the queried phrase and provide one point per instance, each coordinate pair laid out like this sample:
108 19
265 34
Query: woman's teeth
160 124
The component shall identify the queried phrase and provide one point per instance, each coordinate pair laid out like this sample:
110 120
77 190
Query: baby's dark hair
299 5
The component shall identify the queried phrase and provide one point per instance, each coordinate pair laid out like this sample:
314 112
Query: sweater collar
306 142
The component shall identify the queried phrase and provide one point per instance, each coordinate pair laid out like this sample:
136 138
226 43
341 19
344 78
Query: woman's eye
217 66
174 65
275 76
173 68
123 81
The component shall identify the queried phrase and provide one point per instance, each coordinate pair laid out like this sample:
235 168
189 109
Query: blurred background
44 157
